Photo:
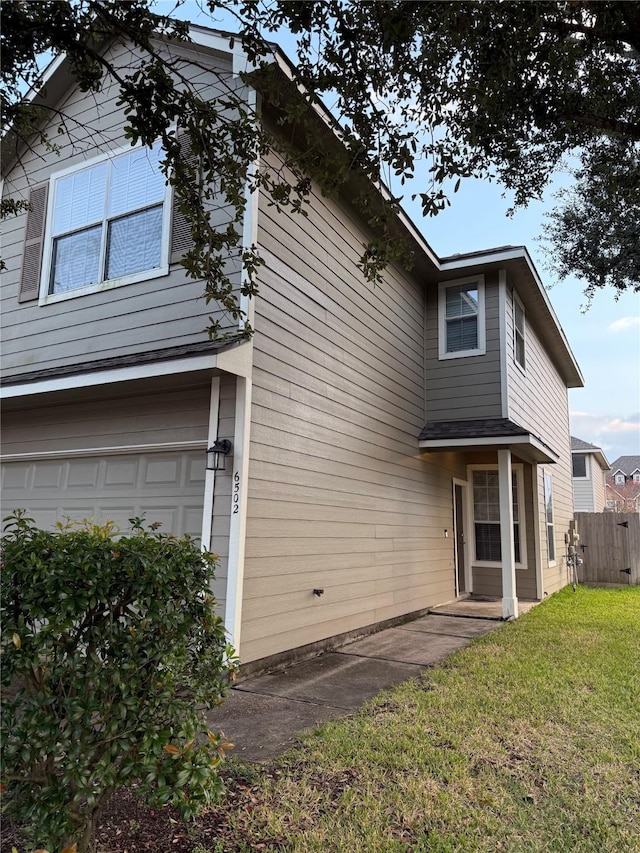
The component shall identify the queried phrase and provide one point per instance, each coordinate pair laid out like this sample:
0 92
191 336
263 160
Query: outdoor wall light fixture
216 454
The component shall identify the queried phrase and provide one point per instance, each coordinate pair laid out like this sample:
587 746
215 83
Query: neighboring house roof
580 446
479 433
58 78
626 465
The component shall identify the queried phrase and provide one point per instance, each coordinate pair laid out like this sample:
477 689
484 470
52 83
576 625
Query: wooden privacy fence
609 547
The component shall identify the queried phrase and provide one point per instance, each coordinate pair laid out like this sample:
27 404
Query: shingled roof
485 433
626 464
579 444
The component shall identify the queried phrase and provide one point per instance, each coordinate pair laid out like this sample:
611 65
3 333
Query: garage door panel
16 476
121 472
194 471
48 475
164 487
83 475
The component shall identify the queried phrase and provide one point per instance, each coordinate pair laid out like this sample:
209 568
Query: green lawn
528 740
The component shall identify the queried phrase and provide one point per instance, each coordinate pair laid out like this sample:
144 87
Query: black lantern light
216 454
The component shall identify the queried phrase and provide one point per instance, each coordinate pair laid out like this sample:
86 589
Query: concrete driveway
264 715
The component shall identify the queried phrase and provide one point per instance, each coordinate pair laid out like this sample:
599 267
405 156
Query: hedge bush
111 653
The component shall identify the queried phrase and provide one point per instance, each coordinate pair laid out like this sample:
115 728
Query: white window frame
587 462
636 477
518 471
478 284
619 479
550 526
47 298
523 332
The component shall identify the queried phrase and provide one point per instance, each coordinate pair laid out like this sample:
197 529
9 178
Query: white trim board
497 441
112 450
231 361
210 476
238 519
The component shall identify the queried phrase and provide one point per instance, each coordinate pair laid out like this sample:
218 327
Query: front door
459 502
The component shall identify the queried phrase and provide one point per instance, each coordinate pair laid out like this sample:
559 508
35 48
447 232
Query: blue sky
605 338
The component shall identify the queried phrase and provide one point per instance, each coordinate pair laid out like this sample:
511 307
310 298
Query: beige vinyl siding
134 318
538 401
589 493
584 489
467 387
339 498
599 490
95 419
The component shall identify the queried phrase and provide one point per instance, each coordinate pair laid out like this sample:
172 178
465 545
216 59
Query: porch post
509 598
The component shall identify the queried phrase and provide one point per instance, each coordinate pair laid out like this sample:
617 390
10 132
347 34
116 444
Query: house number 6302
236 492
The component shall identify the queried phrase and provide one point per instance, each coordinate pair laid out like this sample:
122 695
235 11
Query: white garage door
167 487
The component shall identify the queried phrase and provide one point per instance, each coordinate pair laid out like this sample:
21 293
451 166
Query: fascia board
546 454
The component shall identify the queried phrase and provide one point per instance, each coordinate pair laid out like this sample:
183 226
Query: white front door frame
466 528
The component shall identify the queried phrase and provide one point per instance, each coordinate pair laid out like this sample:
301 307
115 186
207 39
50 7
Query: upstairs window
580 465
619 479
518 332
636 477
108 223
461 318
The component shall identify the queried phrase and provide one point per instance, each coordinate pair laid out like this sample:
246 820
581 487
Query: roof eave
527 446
517 260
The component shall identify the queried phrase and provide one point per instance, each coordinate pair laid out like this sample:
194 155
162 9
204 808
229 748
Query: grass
526 741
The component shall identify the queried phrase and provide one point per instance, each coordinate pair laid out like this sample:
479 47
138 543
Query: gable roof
580 446
428 267
627 464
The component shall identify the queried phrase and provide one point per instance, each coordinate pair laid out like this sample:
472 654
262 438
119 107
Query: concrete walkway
264 715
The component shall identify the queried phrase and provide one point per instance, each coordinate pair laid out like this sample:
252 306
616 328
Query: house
589 468
391 446
623 485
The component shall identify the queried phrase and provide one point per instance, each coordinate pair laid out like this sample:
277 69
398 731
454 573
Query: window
461 321
108 222
611 504
636 477
580 465
619 479
486 515
518 331
548 512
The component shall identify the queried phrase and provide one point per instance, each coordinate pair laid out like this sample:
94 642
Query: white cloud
618 425
623 324
617 436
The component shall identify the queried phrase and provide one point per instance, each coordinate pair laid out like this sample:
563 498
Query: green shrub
111 653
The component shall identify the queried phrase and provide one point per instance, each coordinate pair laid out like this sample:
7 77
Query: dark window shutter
181 240
33 244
